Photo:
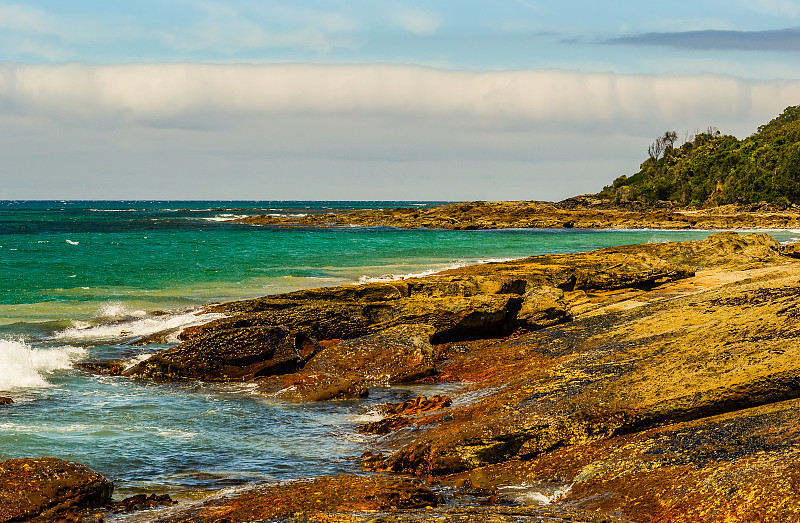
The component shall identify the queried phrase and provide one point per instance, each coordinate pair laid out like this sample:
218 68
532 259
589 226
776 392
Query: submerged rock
141 502
47 488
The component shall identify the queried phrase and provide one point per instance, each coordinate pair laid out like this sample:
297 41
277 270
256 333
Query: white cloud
26 19
414 20
377 131
787 8
163 92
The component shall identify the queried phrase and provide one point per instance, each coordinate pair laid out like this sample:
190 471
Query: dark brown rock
141 502
109 368
6 401
47 488
398 354
236 354
792 250
318 496
397 415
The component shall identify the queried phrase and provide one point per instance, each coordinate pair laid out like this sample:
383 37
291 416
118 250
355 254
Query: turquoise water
79 280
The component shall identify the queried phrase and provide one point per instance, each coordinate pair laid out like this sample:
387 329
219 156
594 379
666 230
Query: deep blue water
79 279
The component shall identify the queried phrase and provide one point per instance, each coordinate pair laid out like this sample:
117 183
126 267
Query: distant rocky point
584 212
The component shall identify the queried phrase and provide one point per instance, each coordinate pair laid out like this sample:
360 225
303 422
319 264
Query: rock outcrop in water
654 383
48 489
335 342
578 212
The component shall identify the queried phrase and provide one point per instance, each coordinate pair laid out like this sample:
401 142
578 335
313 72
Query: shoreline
594 379
569 357
578 213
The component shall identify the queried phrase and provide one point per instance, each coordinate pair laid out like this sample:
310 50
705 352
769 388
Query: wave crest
23 366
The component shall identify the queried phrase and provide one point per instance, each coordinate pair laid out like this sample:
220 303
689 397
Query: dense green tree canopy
716 169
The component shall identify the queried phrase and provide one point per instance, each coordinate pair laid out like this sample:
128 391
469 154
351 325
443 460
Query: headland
582 212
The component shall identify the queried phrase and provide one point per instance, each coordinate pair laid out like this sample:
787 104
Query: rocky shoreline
646 383
578 212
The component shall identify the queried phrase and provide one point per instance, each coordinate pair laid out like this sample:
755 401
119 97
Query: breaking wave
428 272
23 366
118 324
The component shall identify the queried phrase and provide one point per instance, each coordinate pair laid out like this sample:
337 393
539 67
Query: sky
373 100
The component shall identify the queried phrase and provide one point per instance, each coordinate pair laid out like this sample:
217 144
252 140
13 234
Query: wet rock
343 389
397 415
48 489
236 354
6 401
276 335
457 306
314 497
108 368
395 355
141 502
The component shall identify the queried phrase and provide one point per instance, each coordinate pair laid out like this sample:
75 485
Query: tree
662 144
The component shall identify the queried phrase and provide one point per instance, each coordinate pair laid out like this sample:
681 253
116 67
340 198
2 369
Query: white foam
118 310
225 217
526 494
23 366
394 277
72 242
134 361
496 260
428 272
135 328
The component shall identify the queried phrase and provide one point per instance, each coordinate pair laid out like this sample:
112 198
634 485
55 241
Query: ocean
85 279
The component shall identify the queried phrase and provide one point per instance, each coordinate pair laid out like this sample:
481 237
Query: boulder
237 354
398 354
46 488
792 250
542 307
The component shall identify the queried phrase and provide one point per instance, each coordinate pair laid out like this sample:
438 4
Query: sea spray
23 366
134 327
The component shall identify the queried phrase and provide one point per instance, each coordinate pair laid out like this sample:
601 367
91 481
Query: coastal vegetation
711 169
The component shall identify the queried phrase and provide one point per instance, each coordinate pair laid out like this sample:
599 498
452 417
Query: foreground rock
653 383
362 499
736 467
330 494
46 489
579 212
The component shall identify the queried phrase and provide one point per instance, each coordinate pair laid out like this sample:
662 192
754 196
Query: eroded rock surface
328 495
654 383
45 489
